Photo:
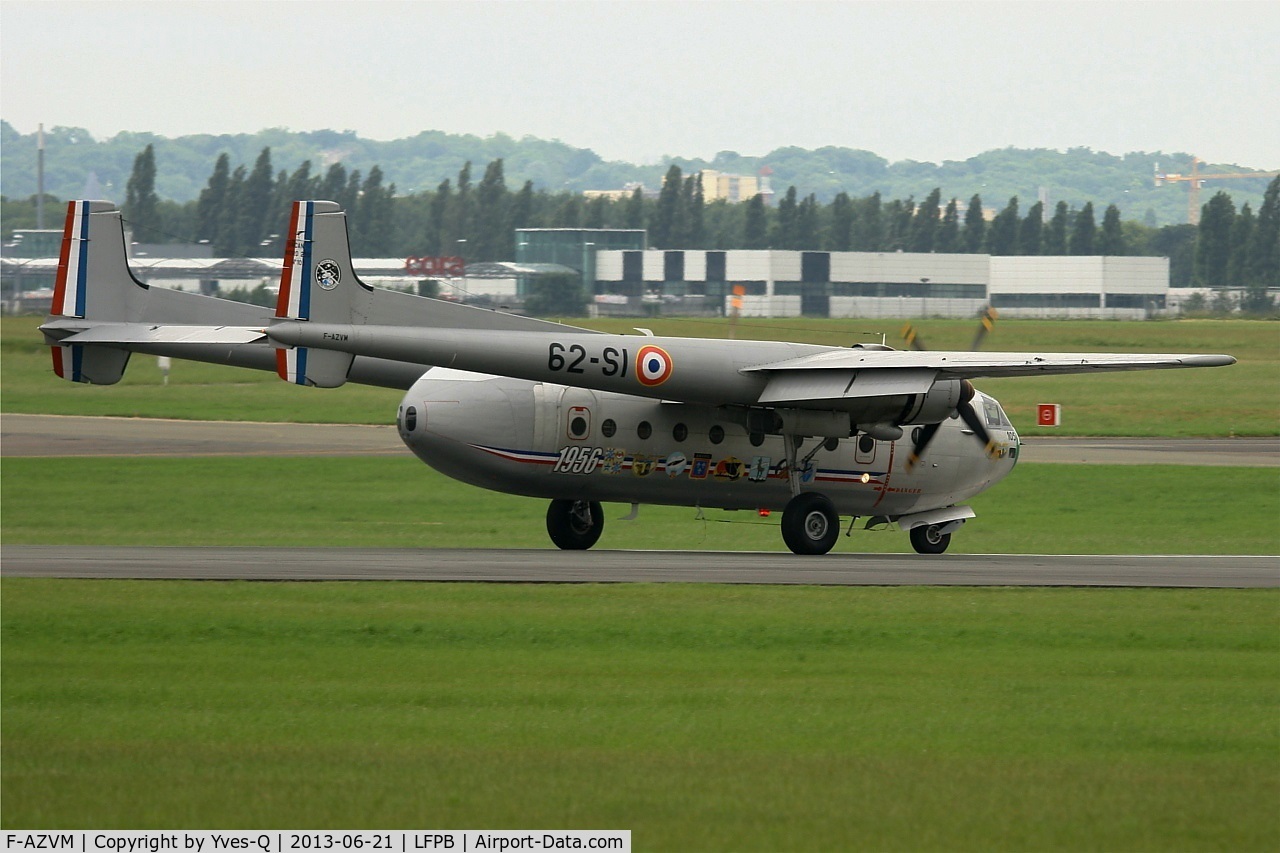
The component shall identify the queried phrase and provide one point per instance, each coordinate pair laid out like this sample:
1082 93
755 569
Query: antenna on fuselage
882 345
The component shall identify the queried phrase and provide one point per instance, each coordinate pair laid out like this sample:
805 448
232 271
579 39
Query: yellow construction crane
1195 179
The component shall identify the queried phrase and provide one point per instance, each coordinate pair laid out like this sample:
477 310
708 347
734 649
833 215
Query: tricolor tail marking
295 278
69 288
294 301
69 291
68 362
291 365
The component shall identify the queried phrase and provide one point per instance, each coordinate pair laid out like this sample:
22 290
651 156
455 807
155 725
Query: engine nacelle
818 422
880 417
939 404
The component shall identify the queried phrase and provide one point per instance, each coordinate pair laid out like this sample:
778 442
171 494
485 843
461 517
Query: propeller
986 320
972 418
912 337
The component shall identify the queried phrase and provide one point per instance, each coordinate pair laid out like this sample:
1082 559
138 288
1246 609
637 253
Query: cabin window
644 430
680 432
608 427
578 427
716 434
757 439
866 443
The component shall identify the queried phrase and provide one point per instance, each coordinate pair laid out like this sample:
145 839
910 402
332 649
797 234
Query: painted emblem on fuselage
653 366
328 274
701 466
614 459
729 468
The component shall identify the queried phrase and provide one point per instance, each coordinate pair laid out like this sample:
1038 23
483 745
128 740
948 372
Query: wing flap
791 386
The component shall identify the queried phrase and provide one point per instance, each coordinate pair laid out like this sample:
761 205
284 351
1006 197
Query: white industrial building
624 278
774 283
1089 286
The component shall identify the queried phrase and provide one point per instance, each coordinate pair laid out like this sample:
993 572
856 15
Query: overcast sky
636 80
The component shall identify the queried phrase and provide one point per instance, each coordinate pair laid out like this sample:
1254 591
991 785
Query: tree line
243 212
419 162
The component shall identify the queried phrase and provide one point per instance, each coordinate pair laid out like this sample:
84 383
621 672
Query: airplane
547 410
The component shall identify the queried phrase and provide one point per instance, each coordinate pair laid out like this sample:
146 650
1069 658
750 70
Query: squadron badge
328 274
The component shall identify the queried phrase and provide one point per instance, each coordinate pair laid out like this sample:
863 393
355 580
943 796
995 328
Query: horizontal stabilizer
142 333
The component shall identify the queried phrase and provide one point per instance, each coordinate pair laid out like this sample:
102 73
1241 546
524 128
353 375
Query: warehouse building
622 277
770 283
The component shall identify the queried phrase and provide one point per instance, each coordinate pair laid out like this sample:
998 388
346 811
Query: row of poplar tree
242 212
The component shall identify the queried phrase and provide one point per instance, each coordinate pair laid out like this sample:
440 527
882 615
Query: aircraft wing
844 374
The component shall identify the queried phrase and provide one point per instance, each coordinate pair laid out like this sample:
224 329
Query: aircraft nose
409 417
472 410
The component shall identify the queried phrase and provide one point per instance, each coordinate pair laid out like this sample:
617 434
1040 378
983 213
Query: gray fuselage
554 441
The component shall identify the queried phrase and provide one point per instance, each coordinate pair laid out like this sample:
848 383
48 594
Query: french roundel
653 366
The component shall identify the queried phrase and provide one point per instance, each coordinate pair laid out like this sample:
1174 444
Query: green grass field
700 717
398 502
1243 399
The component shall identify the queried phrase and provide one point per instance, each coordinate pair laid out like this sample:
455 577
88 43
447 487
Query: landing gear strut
575 525
810 524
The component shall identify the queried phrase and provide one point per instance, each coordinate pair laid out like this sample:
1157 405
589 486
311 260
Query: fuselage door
563 414
864 452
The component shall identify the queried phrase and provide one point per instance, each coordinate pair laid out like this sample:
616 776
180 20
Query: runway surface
529 566
58 435
52 435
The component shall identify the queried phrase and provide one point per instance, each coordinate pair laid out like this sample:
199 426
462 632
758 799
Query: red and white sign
450 266
1048 414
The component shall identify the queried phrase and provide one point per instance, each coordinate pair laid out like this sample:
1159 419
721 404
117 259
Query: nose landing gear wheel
927 539
575 525
810 524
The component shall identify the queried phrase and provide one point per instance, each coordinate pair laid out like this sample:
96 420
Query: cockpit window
994 414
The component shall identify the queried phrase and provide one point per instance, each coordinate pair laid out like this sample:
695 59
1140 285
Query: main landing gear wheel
928 539
575 525
810 524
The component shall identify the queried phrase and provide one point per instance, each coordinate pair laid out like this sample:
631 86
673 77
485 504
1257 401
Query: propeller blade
912 338
974 421
926 435
988 319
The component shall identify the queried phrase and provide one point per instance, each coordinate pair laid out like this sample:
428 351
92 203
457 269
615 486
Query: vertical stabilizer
94 282
318 284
